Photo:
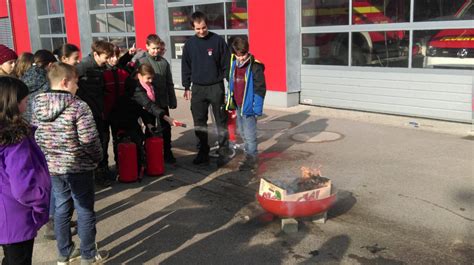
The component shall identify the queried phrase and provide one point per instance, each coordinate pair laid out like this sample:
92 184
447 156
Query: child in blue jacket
246 94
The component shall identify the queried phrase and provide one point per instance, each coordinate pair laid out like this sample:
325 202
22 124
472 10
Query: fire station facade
405 57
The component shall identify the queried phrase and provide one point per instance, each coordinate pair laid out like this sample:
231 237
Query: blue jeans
247 127
78 190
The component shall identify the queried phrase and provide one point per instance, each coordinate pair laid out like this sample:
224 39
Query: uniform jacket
36 80
25 187
162 81
205 60
255 87
66 133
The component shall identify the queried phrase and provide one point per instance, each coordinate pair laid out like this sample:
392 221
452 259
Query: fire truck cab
453 48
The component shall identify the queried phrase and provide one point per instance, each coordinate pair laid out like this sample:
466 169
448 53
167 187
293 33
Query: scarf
149 90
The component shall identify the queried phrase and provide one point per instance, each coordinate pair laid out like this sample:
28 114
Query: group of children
55 126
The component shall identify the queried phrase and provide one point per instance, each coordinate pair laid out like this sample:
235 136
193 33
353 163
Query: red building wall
19 20
144 14
266 20
72 22
3 8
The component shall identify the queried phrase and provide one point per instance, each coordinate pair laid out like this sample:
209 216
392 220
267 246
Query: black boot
202 158
169 157
250 163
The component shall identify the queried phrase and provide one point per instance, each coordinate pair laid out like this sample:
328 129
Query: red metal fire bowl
294 209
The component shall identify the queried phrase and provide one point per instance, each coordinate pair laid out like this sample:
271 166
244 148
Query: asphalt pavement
405 196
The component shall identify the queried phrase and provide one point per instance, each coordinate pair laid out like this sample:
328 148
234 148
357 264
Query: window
380 11
322 13
215 15
226 18
447 48
113 21
325 48
179 17
236 13
376 40
52 28
380 48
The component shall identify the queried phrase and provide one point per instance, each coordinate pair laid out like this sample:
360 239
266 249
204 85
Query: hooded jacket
36 80
255 87
25 187
66 133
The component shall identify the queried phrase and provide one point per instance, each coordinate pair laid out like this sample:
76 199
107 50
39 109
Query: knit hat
6 54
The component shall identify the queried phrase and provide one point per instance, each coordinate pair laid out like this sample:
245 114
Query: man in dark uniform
205 64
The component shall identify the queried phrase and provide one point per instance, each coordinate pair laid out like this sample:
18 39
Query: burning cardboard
310 186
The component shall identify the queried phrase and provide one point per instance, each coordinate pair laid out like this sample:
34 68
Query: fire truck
369 48
452 48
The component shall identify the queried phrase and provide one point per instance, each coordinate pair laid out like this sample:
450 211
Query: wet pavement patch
316 137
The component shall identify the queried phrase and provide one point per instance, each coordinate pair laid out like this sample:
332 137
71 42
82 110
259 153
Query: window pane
325 48
98 23
179 17
56 25
100 38
96 4
236 13
121 42
380 11
116 22
54 6
322 13
447 48
177 43
114 3
130 42
57 42
42 7
426 10
44 26
46 44
128 3
215 15
130 21
380 48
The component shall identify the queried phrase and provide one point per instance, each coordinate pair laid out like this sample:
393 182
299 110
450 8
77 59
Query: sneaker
201 159
74 255
100 257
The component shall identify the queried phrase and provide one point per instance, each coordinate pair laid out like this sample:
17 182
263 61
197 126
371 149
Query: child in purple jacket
24 177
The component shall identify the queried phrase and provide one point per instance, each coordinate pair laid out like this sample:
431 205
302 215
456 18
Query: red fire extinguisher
154 154
231 124
127 161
